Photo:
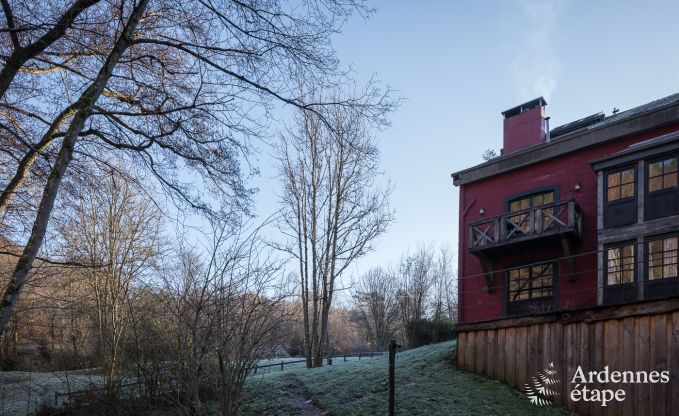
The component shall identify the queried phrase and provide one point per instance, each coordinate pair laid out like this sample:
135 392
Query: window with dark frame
526 203
531 282
662 175
620 192
662 192
662 258
620 185
620 264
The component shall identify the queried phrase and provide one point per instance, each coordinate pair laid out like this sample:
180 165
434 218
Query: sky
459 64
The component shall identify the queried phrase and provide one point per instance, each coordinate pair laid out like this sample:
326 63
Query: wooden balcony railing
559 218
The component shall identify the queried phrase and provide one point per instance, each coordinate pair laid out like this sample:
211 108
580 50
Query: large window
620 264
531 282
620 185
519 224
662 174
662 193
620 192
662 258
620 273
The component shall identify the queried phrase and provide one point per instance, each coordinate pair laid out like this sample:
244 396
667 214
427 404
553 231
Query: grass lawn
427 383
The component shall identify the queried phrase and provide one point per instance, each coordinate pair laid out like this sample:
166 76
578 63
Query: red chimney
524 125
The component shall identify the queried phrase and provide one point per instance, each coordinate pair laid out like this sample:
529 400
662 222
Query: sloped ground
22 393
427 383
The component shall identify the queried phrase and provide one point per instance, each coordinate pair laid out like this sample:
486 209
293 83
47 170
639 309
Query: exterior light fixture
577 186
482 211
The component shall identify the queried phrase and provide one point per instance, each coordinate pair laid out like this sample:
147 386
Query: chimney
524 125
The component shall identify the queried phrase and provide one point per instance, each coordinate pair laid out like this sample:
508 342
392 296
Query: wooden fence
639 337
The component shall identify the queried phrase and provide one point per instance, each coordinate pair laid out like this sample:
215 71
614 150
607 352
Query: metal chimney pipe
548 137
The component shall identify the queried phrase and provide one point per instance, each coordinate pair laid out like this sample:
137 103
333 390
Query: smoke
536 63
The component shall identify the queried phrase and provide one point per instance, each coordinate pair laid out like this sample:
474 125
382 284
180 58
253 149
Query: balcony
560 220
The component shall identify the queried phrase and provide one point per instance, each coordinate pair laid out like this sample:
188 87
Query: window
533 282
620 192
519 224
620 264
662 193
620 185
662 258
662 175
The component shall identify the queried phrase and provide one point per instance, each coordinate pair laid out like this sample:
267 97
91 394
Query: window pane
628 251
670 165
627 176
654 184
621 264
670 180
613 194
613 179
538 200
655 169
628 276
549 197
514 206
627 191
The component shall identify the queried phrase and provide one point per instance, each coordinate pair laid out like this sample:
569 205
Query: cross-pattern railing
556 218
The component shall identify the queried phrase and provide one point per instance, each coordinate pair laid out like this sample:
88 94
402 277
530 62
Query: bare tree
376 300
415 276
333 209
172 87
116 231
444 291
225 309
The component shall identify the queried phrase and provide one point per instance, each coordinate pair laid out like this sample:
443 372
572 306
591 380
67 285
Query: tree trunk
84 107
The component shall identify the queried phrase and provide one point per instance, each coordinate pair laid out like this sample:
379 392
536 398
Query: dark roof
648 116
576 125
642 150
521 108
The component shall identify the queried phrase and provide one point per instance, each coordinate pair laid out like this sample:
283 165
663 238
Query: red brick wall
491 194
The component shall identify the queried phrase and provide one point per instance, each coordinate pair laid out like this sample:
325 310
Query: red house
575 225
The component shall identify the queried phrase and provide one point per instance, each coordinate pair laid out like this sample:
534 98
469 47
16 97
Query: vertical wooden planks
673 404
510 356
521 355
584 361
480 352
626 363
636 343
641 361
500 359
610 348
659 363
570 349
534 356
598 361
469 350
490 352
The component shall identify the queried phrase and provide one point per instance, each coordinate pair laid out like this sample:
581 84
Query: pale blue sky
460 63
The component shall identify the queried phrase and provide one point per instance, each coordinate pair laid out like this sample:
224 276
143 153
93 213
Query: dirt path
298 398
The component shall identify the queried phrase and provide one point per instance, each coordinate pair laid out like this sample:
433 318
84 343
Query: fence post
282 363
359 355
392 368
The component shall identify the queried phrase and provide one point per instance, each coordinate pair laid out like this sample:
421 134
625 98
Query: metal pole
392 371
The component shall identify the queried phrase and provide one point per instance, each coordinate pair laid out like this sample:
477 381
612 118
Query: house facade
568 252
544 226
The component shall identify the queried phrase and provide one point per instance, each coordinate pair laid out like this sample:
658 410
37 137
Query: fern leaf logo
541 390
